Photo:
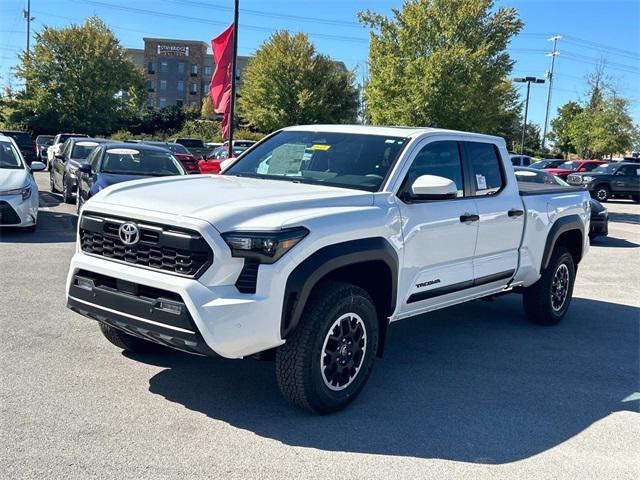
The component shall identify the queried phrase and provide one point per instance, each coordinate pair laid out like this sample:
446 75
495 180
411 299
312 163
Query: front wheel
546 302
67 197
327 360
125 341
602 193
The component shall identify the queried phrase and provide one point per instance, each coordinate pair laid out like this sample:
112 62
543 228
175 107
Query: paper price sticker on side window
481 182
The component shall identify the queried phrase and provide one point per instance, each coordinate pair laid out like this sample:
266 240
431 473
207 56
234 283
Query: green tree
560 133
207 112
287 83
612 129
443 62
77 78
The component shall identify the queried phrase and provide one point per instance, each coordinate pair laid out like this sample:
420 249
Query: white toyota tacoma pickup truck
317 238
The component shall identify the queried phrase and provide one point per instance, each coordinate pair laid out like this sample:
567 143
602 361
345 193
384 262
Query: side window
630 170
515 161
95 160
485 168
590 166
526 161
438 158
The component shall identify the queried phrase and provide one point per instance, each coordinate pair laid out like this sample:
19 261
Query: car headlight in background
24 191
587 179
267 247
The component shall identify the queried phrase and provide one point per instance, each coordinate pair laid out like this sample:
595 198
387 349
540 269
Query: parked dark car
63 174
42 143
547 163
599 225
195 146
25 144
188 161
112 163
610 180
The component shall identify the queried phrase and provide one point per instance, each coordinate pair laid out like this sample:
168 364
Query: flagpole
232 105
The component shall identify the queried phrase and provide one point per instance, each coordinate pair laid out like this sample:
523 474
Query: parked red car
572 166
213 163
185 157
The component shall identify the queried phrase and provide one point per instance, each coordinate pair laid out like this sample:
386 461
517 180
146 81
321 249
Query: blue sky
592 30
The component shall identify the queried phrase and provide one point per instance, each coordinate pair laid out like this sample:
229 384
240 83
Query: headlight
267 247
587 179
24 191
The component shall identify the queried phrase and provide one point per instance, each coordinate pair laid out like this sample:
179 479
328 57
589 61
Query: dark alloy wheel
546 302
326 361
602 193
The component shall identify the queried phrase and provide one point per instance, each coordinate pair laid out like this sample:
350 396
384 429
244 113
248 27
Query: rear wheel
125 341
327 360
546 302
602 193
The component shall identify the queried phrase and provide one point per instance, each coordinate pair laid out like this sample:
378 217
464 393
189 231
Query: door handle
514 212
468 217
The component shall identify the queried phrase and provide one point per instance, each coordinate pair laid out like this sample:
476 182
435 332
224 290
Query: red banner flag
220 88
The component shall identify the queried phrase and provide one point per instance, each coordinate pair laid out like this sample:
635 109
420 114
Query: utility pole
553 55
528 81
233 75
27 16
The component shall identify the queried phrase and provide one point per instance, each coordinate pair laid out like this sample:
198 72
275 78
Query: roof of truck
387 131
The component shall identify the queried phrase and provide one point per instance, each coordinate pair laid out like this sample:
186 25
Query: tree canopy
288 82
443 62
77 79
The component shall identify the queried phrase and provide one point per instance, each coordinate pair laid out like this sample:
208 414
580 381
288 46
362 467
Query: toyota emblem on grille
129 233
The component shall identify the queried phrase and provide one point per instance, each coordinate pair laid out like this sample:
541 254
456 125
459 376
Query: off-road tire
537 299
299 368
125 341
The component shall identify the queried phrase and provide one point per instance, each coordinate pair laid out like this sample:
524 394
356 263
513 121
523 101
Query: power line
620 51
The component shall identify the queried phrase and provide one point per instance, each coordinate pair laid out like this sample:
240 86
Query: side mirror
433 187
85 168
37 166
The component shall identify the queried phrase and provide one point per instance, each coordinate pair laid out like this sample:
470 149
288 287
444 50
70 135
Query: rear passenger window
441 159
485 168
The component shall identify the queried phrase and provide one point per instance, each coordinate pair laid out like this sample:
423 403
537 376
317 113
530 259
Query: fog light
84 283
170 307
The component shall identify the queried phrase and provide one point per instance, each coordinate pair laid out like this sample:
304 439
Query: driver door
439 235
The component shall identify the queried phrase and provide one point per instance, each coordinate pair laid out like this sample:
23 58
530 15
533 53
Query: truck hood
229 202
11 179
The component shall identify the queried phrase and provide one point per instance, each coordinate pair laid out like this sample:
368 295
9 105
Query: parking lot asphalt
473 391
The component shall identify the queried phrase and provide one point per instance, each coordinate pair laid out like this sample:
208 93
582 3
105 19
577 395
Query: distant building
177 72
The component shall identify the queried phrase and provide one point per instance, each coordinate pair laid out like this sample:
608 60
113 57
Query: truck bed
531 188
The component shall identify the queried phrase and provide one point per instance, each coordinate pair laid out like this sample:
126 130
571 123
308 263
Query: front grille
8 215
574 179
161 247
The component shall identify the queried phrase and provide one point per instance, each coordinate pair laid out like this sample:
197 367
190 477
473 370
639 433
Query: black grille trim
248 278
162 248
8 215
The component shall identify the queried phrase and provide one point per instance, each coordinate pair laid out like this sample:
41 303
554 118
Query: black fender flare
308 273
562 225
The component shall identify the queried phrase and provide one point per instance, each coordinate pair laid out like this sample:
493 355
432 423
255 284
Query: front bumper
222 321
16 212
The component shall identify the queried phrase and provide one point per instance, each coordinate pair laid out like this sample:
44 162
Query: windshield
338 159
539 165
570 165
9 158
129 161
65 136
607 168
177 148
81 150
21 138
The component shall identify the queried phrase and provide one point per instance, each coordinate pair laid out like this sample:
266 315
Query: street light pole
553 55
528 81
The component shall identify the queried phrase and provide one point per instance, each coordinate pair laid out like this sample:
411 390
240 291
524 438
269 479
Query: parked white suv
313 241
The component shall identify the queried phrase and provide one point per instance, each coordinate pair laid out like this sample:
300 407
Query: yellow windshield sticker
319 146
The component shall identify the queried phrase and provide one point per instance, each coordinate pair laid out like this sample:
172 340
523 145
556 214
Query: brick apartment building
177 72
